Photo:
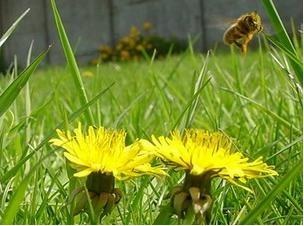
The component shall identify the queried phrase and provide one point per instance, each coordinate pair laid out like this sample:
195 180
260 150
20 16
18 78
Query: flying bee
241 32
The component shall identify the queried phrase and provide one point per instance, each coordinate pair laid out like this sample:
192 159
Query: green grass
258 108
255 99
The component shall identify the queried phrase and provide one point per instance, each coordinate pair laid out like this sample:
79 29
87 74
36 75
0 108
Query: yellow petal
83 173
104 150
200 152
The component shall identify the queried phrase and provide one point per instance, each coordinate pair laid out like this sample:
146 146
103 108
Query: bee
242 31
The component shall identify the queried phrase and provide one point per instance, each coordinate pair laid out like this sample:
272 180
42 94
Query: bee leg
238 44
246 41
244 49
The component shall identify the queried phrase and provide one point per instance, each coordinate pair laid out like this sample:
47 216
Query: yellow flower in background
203 153
140 47
87 74
147 26
105 49
95 61
125 55
134 32
119 46
104 151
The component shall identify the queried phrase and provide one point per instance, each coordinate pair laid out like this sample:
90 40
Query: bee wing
222 23
230 21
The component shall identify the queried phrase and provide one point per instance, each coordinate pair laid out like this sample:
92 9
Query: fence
94 22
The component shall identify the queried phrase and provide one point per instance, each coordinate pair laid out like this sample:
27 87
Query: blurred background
90 24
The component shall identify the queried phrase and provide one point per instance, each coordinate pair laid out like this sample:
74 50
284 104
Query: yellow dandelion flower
203 153
104 151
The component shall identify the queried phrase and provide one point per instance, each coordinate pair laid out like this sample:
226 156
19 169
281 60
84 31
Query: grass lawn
249 98
256 100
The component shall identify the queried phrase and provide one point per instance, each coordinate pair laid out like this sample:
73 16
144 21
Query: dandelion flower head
104 150
201 152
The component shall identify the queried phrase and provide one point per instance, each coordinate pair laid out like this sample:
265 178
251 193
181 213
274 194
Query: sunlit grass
255 99
143 102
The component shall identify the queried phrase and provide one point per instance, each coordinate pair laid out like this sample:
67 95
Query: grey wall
87 25
177 18
86 22
94 22
31 28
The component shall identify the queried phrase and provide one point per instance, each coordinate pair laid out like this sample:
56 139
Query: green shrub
138 43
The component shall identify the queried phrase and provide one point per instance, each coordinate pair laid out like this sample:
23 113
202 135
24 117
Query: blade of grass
165 106
11 92
299 139
12 28
45 200
288 197
73 116
190 103
137 201
293 82
127 109
28 97
14 203
267 111
33 196
283 36
69 55
164 215
175 68
200 82
277 23
264 203
283 48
